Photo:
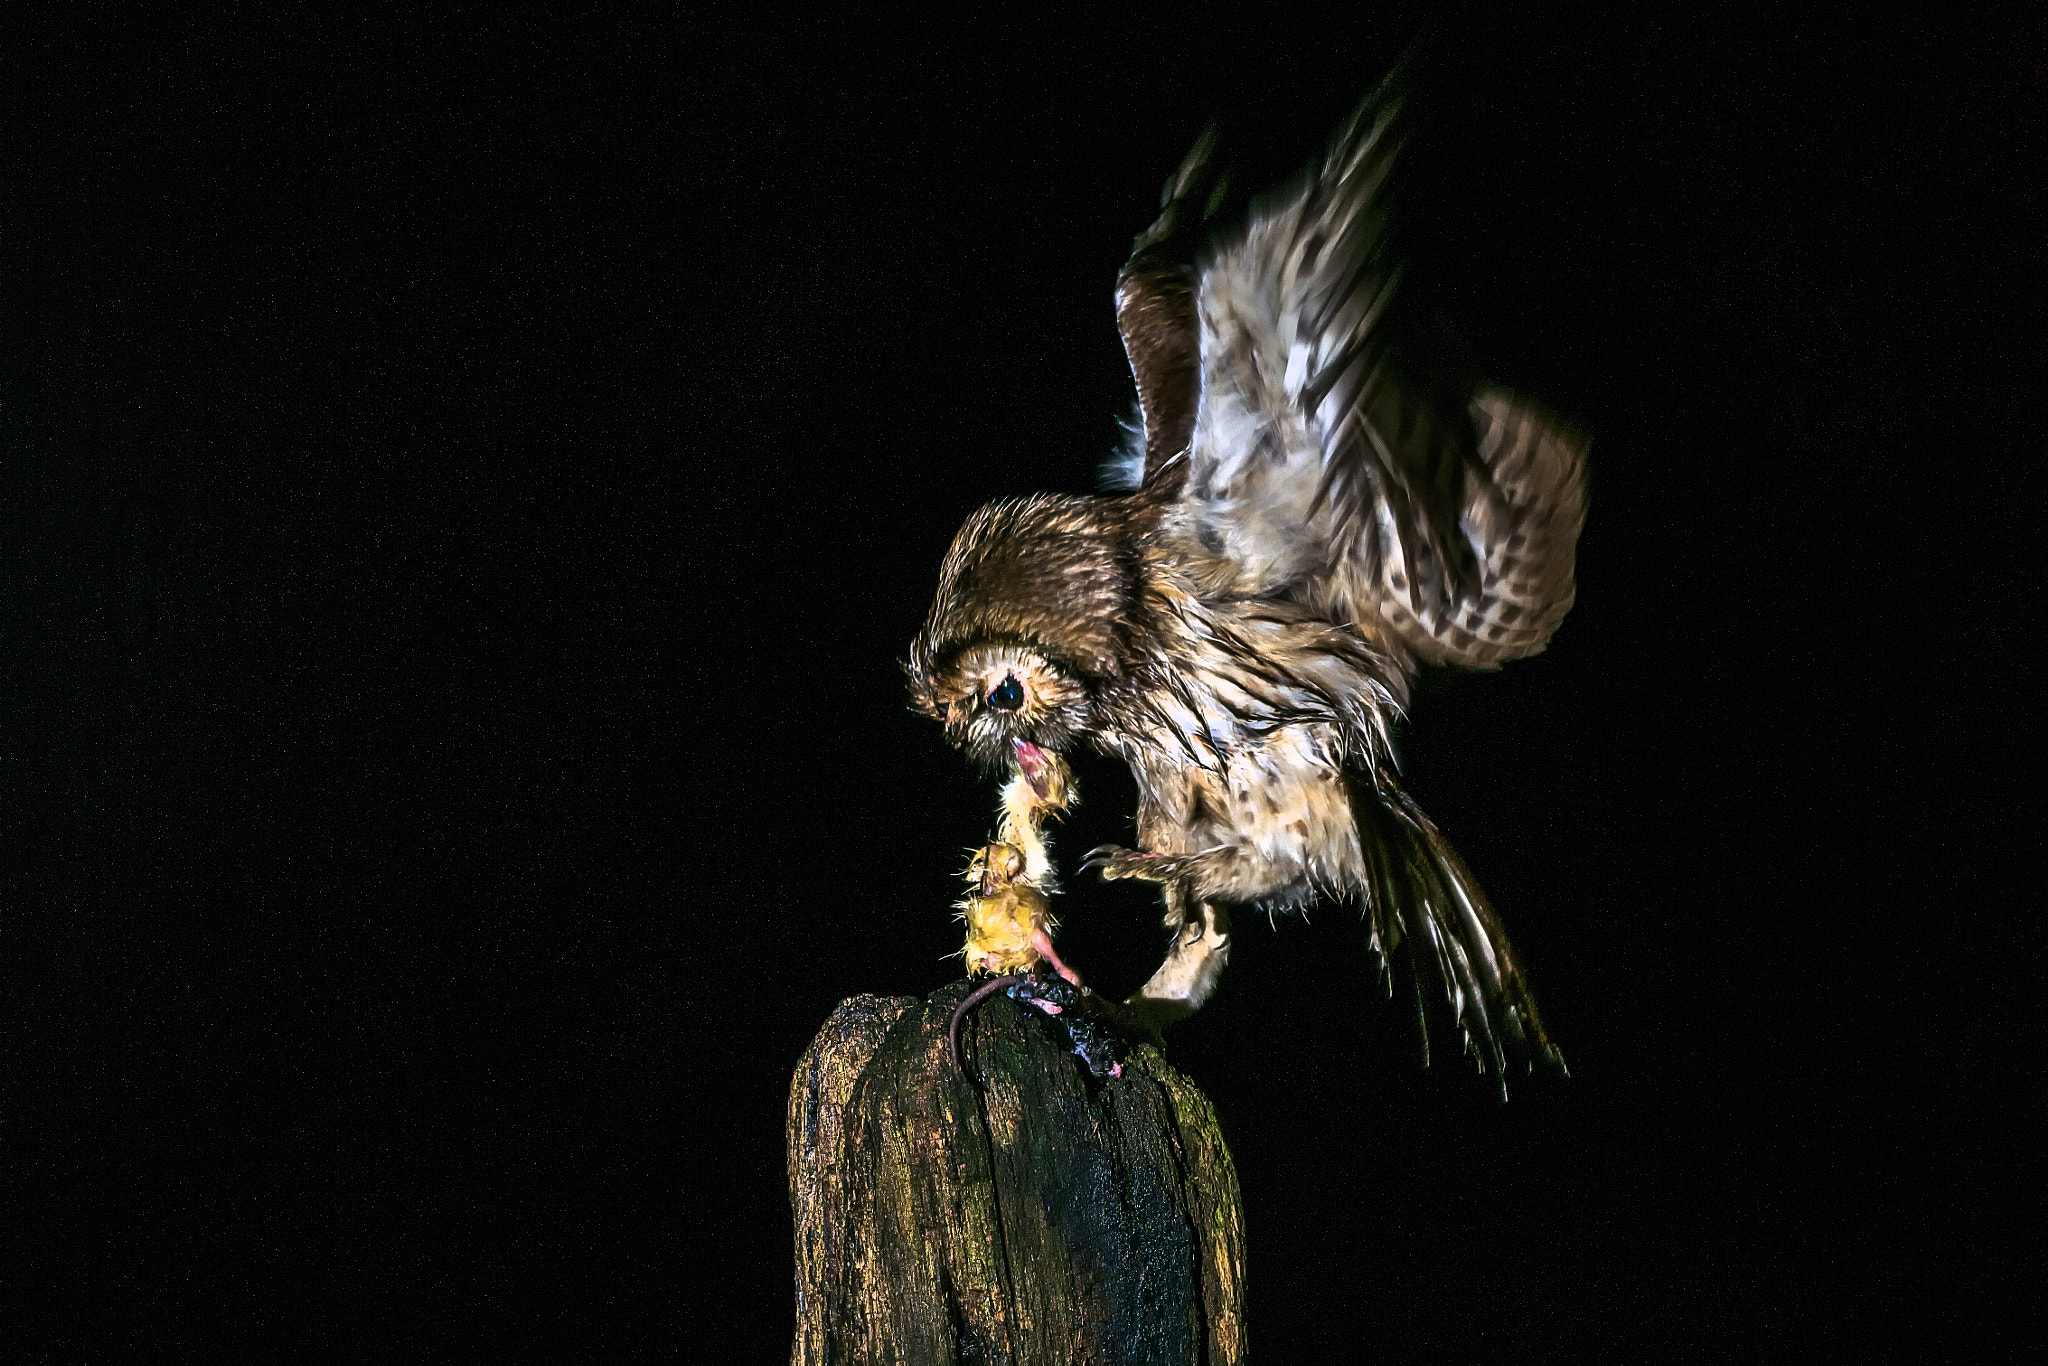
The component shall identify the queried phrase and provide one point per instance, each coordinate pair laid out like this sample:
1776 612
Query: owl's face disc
1004 705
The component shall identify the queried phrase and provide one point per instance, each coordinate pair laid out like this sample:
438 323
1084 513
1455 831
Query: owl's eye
1007 695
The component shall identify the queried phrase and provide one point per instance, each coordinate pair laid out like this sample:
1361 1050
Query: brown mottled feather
1313 524
1321 469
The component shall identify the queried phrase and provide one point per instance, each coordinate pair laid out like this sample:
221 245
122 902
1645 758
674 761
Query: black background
468 484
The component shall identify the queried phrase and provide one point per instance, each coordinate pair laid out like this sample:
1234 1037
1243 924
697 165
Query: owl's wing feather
1418 889
1155 309
1318 467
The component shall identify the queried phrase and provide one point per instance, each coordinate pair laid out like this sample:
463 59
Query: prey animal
1009 926
1307 520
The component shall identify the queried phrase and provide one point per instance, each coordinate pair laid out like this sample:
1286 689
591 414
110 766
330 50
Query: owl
1305 519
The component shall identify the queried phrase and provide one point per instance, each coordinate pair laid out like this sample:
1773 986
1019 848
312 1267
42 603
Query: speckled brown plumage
1312 525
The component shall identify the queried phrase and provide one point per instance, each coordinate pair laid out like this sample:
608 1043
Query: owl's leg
1115 863
1194 960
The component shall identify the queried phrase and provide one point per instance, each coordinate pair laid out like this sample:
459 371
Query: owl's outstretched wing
1317 467
1155 310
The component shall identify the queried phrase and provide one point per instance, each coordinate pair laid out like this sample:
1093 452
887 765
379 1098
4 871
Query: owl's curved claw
1117 863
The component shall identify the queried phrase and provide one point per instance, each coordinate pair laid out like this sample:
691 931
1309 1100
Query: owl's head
1024 632
1004 703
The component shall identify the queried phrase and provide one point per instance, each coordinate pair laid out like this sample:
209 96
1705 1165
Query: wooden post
1049 1219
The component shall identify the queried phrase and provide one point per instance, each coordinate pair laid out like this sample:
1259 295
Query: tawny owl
1308 524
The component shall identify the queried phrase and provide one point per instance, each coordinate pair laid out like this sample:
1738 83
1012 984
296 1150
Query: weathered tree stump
1051 1218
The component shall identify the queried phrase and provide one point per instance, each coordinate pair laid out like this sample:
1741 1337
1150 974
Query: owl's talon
1117 863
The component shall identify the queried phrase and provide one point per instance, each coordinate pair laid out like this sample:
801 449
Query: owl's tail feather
1417 888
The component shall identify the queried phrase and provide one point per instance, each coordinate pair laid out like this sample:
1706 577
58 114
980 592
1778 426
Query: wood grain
1052 1219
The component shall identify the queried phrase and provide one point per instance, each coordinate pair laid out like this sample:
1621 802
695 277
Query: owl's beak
1036 766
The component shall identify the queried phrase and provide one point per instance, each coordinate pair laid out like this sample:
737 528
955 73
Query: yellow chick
1007 918
1009 924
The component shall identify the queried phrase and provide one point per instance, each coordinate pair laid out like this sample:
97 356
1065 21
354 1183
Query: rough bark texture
1050 1219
